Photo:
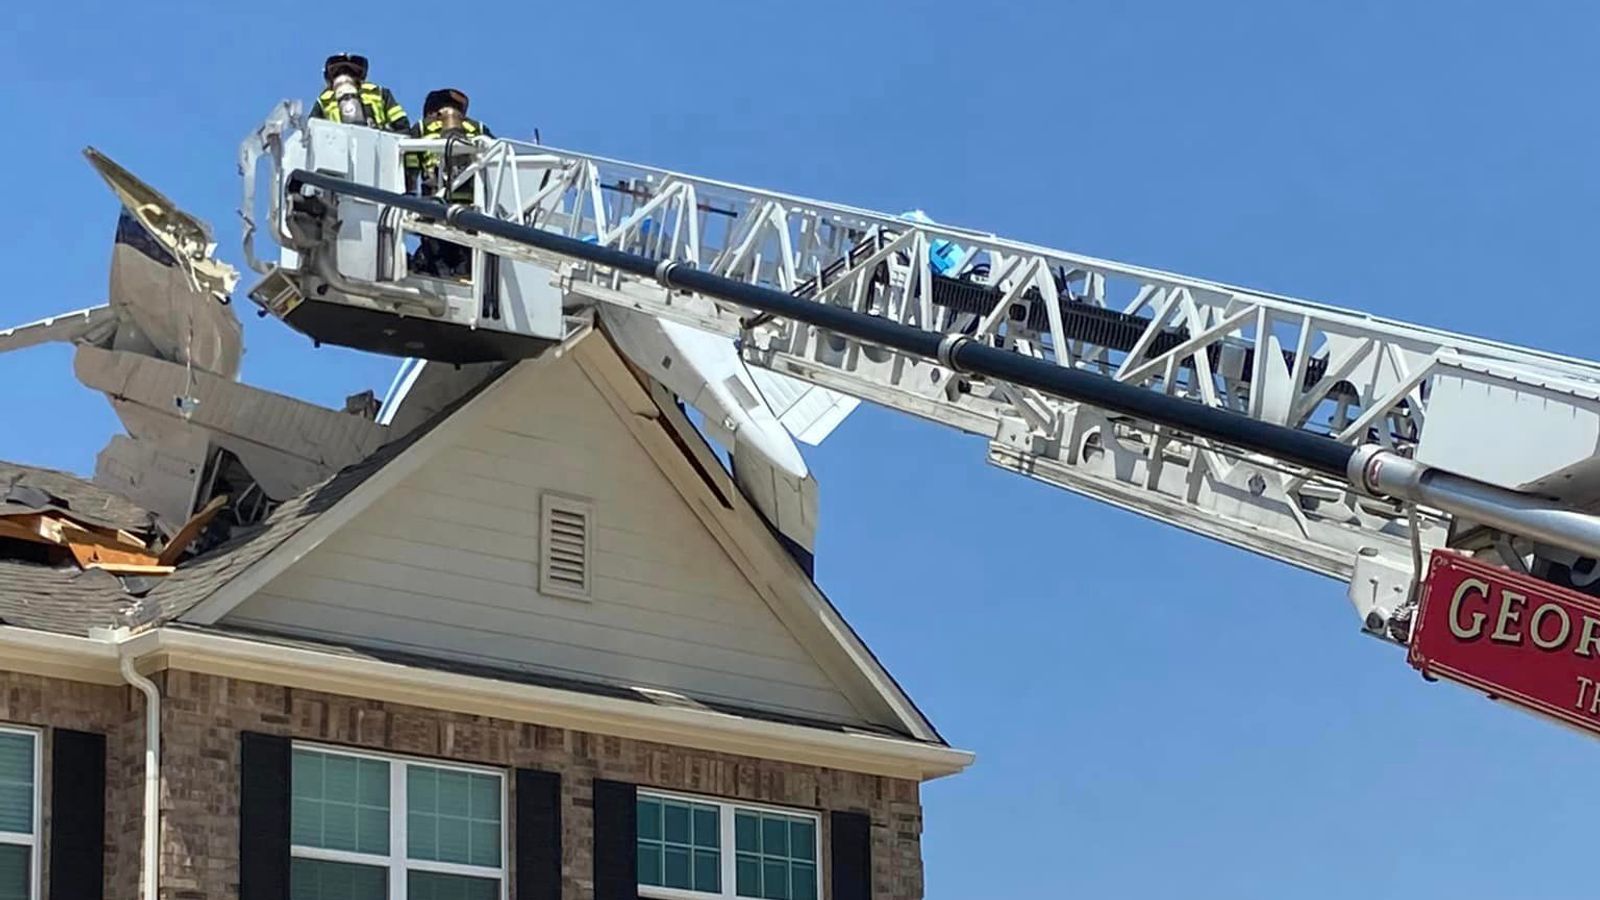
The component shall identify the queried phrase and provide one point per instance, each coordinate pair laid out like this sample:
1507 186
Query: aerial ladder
1350 445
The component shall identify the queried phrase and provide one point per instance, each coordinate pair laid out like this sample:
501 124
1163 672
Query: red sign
1512 636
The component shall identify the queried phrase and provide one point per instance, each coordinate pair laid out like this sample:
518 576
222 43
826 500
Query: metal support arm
1372 470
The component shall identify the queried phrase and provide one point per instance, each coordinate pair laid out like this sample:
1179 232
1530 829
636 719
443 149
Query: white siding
446 563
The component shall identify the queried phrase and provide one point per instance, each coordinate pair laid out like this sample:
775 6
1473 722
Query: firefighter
444 115
350 98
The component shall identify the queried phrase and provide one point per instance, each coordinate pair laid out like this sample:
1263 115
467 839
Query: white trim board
226 656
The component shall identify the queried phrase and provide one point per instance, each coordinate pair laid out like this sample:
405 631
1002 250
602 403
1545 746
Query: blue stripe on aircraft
132 233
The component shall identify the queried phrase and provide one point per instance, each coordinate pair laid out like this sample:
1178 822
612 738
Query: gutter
101 660
354 676
126 648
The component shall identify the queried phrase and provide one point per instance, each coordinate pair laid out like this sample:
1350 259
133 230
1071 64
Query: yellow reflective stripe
435 126
369 96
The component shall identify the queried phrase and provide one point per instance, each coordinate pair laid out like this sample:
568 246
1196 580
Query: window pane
307 774
454 844
422 835
803 878
774 880
649 819
747 879
676 872
707 871
453 790
16 782
315 879
483 845
436 886
305 823
340 802
649 863
677 822
747 832
459 818
802 839
14 874
371 822
339 826
706 830
373 784
340 782
422 789
484 799
774 836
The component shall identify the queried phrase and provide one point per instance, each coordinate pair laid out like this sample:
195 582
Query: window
371 827
19 814
691 847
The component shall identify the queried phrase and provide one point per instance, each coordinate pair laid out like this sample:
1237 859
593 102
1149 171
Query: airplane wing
79 325
706 371
808 411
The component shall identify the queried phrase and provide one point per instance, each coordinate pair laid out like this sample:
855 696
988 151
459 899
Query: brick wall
203 716
114 712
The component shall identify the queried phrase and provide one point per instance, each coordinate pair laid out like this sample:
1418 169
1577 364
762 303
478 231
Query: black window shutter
263 816
616 837
77 842
538 825
851 841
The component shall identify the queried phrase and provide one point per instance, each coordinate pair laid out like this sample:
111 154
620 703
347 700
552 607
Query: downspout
149 866
149 870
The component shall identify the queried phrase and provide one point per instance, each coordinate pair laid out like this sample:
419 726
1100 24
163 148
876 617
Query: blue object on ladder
943 256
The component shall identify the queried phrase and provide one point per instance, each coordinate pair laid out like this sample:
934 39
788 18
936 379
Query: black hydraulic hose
1303 448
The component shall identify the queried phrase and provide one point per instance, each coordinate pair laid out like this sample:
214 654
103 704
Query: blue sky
1154 714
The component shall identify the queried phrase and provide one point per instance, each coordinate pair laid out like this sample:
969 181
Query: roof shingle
82 498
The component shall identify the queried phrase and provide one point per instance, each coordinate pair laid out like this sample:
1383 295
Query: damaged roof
68 600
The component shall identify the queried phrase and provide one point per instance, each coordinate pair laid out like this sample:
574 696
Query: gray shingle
60 599
64 599
83 498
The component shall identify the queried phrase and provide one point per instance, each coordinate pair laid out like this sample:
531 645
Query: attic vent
565 546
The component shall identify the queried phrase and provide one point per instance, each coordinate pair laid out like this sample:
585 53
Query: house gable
446 561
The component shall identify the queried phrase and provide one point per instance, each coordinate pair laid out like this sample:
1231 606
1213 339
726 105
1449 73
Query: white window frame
726 810
397 863
32 841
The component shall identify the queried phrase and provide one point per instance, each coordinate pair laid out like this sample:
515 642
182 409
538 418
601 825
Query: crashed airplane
165 350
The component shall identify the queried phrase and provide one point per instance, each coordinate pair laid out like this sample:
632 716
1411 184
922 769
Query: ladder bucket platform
343 275
342 320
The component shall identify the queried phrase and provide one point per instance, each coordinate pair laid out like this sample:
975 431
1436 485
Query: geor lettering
1550 626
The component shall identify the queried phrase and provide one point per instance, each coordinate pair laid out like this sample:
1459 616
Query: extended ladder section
1336 441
